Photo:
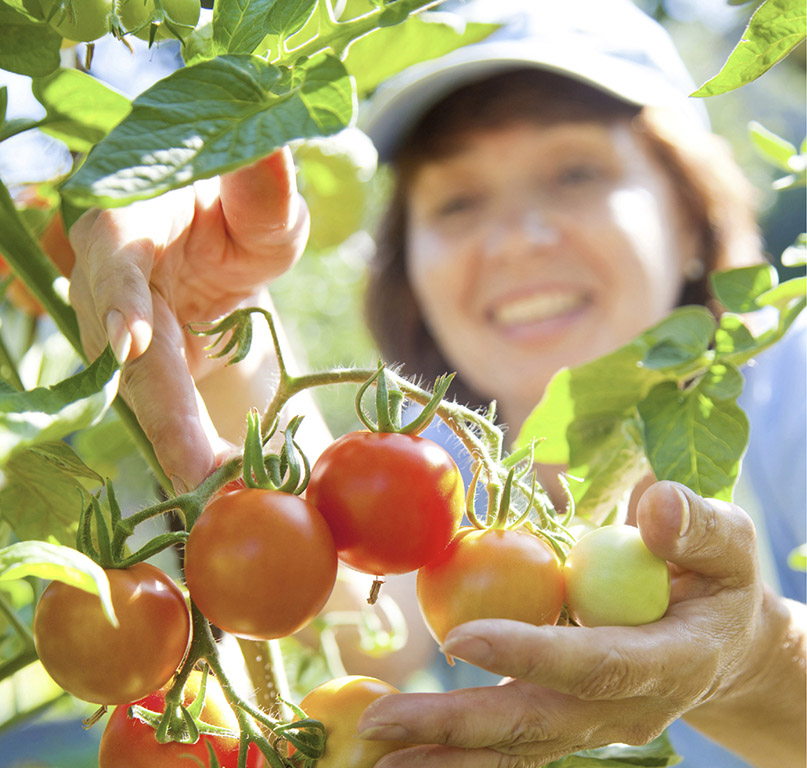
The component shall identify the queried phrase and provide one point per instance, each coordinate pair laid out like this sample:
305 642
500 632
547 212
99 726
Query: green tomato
81 20
136 14
613 579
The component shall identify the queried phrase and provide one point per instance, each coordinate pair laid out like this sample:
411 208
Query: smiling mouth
538 308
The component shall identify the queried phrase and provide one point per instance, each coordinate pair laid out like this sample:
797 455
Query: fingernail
118 334
685 519
467 647
179 484
384 733
141 332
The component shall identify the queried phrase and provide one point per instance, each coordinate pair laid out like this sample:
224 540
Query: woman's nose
521 231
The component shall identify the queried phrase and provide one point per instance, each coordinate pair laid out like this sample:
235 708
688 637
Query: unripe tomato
612 579
392 501
86 21
135 13
491 574
130 743
260 564
338 705
98 662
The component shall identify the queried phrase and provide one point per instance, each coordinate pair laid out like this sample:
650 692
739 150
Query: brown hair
711 186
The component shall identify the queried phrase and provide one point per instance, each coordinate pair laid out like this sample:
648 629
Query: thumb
708 536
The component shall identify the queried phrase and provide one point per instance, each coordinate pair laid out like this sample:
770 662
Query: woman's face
534 247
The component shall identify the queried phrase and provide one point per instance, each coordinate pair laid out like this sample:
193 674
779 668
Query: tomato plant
393 501
612 578
259 563
97 662
128 742
491 574
82 21
135 13
338 704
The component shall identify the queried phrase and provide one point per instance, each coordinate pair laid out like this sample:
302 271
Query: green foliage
774 30
28 46
668 398
51 561
208 119
657 753
49 413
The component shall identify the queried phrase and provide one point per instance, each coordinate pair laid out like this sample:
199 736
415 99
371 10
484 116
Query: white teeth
537 307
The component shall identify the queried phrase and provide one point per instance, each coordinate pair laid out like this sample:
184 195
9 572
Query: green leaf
797 559
239 25
81 109
211 118
774 30
42 494
796 255
773 148
738 289
43 560
732 335
49 413
659 753
27 47
697 436
386 51
780 296
594 395
611 473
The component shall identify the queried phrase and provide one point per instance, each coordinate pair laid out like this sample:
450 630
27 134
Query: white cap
609 44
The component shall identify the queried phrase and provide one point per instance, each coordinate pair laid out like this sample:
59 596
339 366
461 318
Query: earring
694 269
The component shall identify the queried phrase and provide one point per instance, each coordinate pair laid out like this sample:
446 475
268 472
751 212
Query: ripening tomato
83 21
393 501
491 574
260 564
130 743
338 704
135 13
613 579
97 662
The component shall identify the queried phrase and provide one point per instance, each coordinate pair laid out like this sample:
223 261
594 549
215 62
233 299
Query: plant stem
23 632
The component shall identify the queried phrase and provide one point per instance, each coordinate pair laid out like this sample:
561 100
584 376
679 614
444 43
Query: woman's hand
145 271
725 643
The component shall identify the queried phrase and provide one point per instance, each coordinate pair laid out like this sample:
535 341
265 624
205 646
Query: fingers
597 663
707 536
115 254
514 724
178 426
262 208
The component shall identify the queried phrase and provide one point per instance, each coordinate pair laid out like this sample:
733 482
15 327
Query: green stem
7 362
341 34
23 632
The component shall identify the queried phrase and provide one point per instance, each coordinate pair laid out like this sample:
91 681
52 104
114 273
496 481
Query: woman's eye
579 174
456 205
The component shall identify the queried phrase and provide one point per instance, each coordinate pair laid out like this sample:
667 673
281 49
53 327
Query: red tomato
130 743
393 501
338 705
612 579
97 662
260 564
491 574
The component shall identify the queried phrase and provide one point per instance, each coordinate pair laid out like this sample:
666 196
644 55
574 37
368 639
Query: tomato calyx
389 404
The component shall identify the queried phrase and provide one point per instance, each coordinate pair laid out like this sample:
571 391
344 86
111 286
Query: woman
548 209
